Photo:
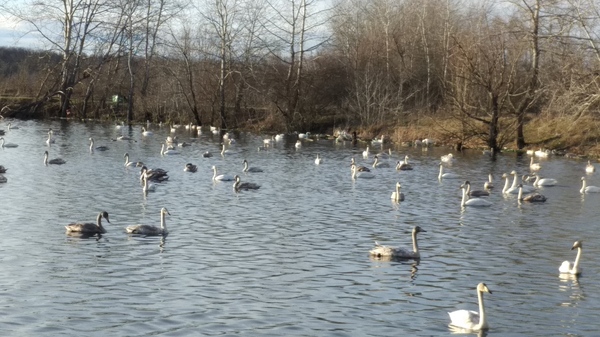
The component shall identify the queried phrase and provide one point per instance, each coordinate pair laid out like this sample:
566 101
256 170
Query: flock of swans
464 320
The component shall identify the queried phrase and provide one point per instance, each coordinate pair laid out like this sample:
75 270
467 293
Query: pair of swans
148 229
55 161
534 197
88 227
514 188
471 202
381 251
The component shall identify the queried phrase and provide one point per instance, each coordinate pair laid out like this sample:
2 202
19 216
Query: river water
290 258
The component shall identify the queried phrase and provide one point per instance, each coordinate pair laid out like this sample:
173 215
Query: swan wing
565 267
143 229
83 227
464 319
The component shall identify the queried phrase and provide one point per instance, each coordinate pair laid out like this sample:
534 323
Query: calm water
289 259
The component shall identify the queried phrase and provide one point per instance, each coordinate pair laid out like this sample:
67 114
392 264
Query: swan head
164 210
126 155
513 172
582 178
418 229
482 288
104 214
577 244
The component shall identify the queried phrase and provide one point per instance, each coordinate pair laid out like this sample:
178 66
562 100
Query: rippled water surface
291 258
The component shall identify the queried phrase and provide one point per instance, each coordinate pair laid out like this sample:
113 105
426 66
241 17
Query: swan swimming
366 153
588 189
157 174
151 230
189 167
147 187
99 148
359 168
251 169
534 166
397 196
168 152
88 227
443 175
2 144
489 184
471 320
3 169
318 160
475 193
572 268
449 158
55 161
377 164
400 253
131 163
473 202
221 177
238 185
404 165
50 139
361 174
535 197
514 188
544 181
590 168
298 144
146 132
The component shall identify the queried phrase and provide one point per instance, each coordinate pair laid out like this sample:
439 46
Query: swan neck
441 172
464 197
415 244
505 189
582 186
163 224
246 165
520 195
514 183
99 221
482 319
576 263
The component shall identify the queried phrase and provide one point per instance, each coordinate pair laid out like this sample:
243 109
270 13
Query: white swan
318 160
378 141
221 177
2 144
534 166
279 137
251 169
361 174
10 127
544 181
471 320
377 164
449 158
298 144
55 161
99 148
535 197
443 175
542 153
590 168
514 188
168 152
151 230
50 139
473 202
489 184
400 253
147 187
131 163
238 185
475 193
146 132
588 189
88 227
572 268
224 150
366 153
404 165
397 196
269 141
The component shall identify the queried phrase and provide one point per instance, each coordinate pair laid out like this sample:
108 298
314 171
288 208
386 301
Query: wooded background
485 68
